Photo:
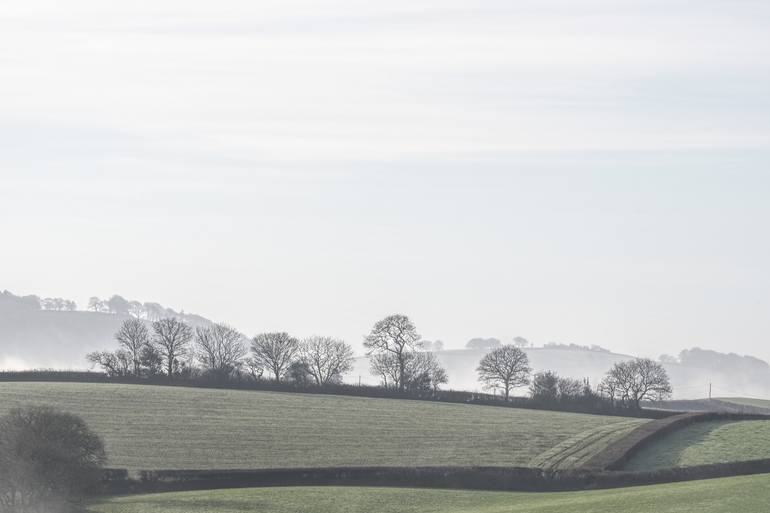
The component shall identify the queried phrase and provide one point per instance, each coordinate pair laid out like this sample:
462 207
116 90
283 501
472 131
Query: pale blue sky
587 172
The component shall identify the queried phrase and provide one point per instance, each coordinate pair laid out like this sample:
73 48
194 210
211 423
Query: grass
156 427
707 442
746 401
746 494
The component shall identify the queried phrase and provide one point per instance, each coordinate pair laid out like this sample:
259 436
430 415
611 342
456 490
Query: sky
589 172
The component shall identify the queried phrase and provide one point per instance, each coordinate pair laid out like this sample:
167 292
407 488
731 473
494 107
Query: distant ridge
32 337
52 333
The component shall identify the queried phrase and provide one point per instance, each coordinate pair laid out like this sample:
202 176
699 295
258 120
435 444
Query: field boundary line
119 482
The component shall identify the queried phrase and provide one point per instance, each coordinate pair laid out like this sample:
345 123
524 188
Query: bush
48 459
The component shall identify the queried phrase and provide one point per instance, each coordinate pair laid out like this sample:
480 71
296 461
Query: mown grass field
156 427
745 401
745 494
706 442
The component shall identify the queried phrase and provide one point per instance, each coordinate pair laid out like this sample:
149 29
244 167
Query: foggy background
594 175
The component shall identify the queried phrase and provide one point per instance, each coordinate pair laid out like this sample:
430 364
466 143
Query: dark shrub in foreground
47 460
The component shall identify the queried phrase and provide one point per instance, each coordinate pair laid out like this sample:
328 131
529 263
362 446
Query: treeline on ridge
171 350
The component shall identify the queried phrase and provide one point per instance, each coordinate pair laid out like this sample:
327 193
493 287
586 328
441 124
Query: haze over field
35 336
591 173
367 257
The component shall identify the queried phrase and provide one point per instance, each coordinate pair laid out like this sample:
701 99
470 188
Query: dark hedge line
581 404
617 454
118 482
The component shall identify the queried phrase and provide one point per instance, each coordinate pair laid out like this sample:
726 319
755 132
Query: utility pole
709 390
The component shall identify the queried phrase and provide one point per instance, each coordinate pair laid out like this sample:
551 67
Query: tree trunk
507 391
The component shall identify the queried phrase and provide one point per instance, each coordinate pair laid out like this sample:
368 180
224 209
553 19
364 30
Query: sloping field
706 442
724 405
746 401
745 494
155 427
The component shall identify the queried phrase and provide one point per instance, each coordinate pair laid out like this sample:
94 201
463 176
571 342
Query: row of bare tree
170 346
119 305
174 348
627 383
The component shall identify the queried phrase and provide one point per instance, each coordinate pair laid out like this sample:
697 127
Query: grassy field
745 401
154 427
707 442
726 405
745 494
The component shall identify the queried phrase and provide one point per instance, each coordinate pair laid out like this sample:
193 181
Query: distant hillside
52 333
33 337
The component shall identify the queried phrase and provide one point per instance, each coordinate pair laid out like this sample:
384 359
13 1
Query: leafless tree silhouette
506 367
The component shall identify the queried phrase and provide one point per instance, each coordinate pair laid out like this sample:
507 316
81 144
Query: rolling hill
34 338
158 427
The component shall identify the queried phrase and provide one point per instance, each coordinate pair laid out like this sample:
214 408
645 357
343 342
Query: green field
745 401
745 494
155 427
706 442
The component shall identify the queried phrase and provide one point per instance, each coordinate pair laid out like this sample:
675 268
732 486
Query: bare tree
610 387
424 372
118 363
47 459
95 304
172 338
634 381
274 351
327 359
506 367
570 388
385 365
220 349
395 335
132 336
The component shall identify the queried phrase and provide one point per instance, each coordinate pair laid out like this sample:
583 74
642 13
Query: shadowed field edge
120 482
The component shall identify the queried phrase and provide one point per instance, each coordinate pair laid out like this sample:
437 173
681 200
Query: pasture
158 427
747 494
746 401
706 442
